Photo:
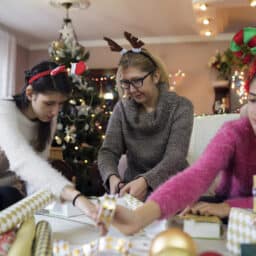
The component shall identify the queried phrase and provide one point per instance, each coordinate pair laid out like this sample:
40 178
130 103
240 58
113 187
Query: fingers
112 189
203 208
113 183
125 189
120 186
185 211
102 228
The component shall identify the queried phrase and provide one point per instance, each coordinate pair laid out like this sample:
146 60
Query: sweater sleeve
186 187
174 159
241 202
24 161
112 147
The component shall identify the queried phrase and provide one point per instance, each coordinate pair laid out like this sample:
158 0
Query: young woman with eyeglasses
27 124
151 125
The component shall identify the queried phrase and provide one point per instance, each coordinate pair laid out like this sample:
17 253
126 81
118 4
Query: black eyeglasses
251 97
136 83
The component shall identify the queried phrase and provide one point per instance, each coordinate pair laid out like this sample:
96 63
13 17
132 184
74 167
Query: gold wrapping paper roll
22 210
24 239
43 239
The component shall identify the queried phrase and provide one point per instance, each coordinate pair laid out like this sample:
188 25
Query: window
7 64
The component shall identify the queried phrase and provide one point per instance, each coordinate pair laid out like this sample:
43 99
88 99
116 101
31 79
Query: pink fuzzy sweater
232 152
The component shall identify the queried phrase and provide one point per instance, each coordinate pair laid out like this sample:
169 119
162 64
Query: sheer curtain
7 64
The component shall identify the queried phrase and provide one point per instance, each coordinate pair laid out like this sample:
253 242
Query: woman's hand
114 182
88 207
203 208
69 193
137 188
130 222
126 220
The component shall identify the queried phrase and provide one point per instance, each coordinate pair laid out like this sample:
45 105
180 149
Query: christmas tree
83 119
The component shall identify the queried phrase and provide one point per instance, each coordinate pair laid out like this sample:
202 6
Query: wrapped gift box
241 229
208 227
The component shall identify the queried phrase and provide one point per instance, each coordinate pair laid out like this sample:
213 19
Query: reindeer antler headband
135 43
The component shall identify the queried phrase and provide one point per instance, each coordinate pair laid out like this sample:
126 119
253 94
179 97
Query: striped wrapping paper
241 229
132 202
22 210
43 239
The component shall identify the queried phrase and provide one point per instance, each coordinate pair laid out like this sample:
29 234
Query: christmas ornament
58 140
59 126
210 254
78 68
243 44
174 251
172 238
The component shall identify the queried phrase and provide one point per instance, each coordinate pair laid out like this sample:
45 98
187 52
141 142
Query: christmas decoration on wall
83 119
224 63
225 66
176 78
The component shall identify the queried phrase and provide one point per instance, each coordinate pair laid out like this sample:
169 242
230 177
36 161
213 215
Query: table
80 230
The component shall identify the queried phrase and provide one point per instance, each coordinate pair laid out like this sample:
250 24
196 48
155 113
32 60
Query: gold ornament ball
174 252
173 238
55 44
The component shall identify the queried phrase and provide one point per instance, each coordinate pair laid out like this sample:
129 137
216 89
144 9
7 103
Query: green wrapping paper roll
24 239
22 210
43 239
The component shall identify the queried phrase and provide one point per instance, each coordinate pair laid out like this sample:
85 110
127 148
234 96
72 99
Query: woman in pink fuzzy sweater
231 152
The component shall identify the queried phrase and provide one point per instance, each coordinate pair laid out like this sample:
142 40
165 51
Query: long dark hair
59 83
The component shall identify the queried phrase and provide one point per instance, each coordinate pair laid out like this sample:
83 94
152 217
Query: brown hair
137 57
144 61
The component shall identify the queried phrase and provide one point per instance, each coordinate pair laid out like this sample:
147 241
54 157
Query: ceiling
35 22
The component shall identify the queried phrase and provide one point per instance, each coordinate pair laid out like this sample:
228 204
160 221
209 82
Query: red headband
53 72
76 68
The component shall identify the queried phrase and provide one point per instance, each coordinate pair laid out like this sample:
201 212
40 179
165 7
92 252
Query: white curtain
7 64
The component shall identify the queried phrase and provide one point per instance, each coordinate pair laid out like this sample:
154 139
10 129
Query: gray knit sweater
156 143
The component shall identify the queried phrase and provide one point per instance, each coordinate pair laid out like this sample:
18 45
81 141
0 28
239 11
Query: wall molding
147 40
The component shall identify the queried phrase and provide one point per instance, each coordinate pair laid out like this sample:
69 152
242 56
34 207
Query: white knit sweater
17 134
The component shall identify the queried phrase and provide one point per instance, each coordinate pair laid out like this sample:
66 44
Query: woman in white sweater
27 124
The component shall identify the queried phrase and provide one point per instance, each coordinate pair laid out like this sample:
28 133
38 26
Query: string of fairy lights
107 95
237 85
175 79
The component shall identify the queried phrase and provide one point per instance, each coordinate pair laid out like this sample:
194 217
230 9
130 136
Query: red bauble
210 254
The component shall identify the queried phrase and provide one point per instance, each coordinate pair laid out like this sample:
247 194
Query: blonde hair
144 61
